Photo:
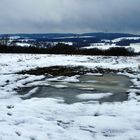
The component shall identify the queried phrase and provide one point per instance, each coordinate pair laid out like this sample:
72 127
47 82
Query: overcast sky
47 16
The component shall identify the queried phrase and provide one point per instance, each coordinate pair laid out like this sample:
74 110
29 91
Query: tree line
67 49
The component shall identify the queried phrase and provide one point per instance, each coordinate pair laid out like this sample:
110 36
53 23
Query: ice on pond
104 88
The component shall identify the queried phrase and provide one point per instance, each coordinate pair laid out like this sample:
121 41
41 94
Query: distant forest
67 49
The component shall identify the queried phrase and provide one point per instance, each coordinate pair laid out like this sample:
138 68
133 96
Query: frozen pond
102 88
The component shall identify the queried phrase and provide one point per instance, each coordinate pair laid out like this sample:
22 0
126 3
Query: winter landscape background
69 70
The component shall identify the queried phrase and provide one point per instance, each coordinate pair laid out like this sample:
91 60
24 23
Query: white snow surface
93 96
23 44
133 46
14 63
128 38
52 119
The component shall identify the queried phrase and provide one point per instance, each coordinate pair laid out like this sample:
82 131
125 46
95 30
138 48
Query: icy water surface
113 85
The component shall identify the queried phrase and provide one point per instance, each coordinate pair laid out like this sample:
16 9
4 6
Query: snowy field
51 118
101 46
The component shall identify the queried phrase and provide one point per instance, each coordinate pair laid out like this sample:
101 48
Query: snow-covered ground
23 44
128 38
52 119
133 46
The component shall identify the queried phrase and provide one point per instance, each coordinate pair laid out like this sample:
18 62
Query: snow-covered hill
126 38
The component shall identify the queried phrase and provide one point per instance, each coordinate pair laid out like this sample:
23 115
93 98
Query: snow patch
93 96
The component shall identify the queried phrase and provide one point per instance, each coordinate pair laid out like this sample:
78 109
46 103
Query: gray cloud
29 16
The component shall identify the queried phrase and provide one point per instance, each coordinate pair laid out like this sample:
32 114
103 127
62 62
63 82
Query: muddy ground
70 70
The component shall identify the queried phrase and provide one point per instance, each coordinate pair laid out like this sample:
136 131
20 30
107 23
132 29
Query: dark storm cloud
69 16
